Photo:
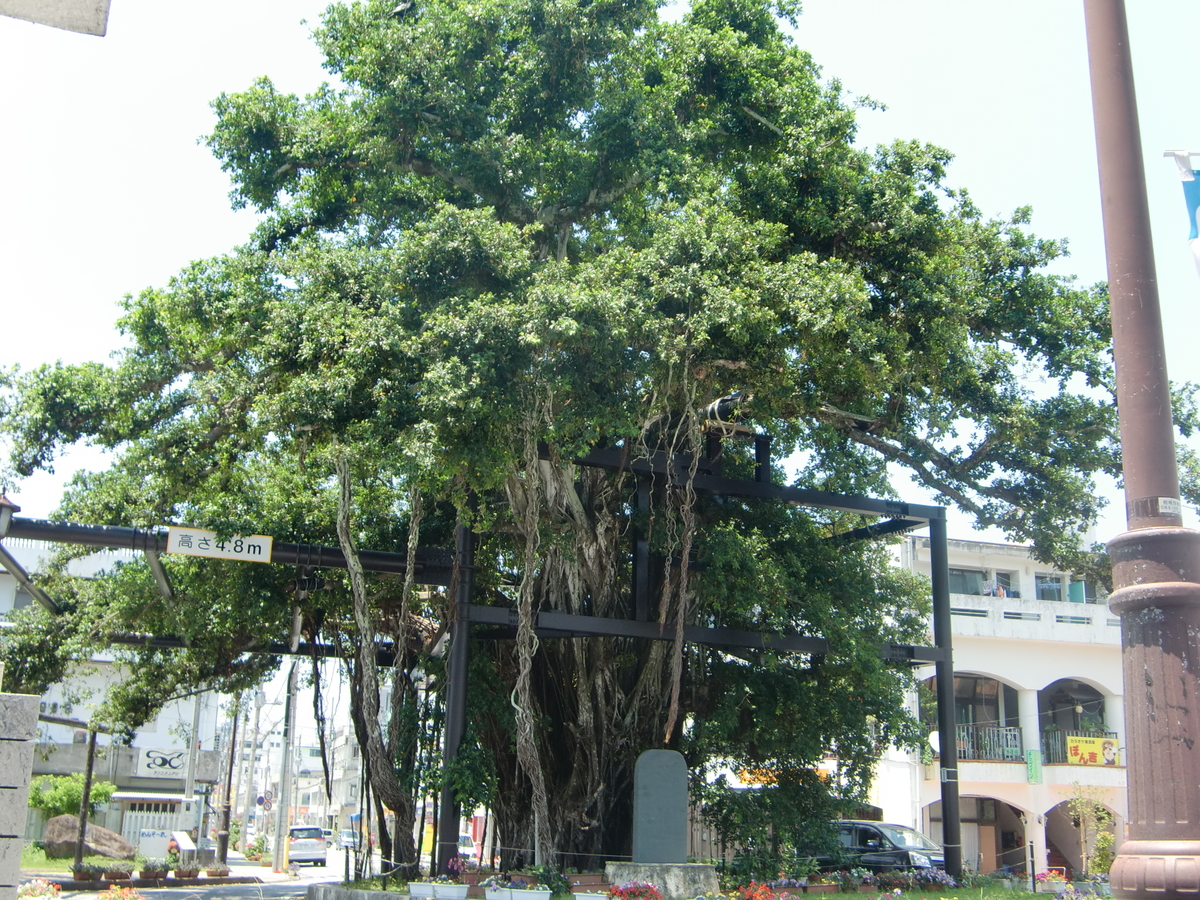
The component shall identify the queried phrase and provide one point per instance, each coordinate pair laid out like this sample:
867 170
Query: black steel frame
436 567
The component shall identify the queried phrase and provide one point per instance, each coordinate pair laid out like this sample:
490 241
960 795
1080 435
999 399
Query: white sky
105 189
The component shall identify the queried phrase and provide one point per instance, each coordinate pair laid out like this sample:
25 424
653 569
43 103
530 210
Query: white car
306 844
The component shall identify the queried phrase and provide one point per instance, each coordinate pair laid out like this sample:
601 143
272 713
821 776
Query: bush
61 795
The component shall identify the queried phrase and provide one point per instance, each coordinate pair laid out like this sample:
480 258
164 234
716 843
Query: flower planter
450 891
420 889
530 893
497 893
821 888
152 874
216 873
84 876
187 873
520 878
588 895
116 876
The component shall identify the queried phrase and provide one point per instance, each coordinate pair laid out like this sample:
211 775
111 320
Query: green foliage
62 795
516 232
1102 856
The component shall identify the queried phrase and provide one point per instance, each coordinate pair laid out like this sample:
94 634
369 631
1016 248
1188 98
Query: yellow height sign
198 542
1092 751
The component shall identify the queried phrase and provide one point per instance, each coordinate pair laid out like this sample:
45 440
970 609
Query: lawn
34 859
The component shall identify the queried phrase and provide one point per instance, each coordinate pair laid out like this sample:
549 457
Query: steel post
456 699
944 668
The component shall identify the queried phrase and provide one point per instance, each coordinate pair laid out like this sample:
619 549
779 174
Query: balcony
1055 746
990 742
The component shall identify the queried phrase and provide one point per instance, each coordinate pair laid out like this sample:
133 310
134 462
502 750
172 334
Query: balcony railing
1054 744
989 742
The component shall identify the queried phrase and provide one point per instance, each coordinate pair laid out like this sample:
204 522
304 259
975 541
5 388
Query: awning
148 795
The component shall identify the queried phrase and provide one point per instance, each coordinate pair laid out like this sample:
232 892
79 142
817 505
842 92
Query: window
306 799
966 581
1005 584
1049 587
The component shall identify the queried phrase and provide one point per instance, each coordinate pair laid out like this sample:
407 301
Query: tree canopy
512 232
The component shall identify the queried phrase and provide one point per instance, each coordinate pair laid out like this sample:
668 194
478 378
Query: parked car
879 846
306 844
328 835
466 847
348 839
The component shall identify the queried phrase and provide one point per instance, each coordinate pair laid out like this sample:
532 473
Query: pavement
241 871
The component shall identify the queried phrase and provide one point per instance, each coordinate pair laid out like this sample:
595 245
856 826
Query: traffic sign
269 795
267 806
199 542
261 800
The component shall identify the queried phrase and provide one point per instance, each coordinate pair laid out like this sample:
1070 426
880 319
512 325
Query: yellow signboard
1092 751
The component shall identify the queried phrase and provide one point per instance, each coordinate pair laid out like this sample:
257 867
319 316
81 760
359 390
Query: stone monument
18 731
660 826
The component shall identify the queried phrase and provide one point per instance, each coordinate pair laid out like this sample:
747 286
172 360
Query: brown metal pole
1156 563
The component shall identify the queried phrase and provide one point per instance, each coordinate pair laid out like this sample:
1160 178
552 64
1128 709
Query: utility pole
1156 563
282 814
226 808
85 804
260 700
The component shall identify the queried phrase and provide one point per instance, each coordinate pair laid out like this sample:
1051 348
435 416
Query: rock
62 831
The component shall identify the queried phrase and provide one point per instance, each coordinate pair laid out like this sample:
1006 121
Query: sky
107 188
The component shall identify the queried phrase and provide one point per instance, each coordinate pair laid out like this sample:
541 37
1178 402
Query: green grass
35 860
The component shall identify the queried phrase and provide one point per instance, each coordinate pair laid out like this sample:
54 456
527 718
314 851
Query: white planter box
497 893
531 894
420 890
450 891
589 895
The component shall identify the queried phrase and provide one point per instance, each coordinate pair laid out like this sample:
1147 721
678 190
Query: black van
879 846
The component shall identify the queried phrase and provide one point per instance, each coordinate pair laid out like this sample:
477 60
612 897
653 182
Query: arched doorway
993 834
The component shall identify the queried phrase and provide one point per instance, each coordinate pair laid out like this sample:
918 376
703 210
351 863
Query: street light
1156 563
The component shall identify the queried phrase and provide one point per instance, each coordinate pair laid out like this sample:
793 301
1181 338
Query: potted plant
496 887
154 868
37 887
445 887
216 871
529 892
118 869
185 868
420 890
633 890
87 871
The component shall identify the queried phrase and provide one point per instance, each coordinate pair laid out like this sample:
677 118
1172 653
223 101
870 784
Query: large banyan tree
512 232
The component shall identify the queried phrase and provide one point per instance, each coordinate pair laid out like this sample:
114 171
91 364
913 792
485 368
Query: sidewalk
241 871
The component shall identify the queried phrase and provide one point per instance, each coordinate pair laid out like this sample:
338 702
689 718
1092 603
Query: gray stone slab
18 717
16 763
660 811
14 806
675 881
8 892
10 862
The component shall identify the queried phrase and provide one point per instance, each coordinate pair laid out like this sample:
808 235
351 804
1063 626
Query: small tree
60 795
1093 818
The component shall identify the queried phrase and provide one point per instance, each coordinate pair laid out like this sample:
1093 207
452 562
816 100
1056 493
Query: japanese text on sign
1092 751
198 542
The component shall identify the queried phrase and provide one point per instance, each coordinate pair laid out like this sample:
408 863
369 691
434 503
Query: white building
1040 709
150 773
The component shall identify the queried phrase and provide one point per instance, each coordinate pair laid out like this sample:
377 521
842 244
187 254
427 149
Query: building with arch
1040 711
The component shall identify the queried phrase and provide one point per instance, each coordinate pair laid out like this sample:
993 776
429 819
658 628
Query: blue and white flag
1191 193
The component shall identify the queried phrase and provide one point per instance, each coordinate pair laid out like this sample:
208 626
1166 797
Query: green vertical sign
1033 766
